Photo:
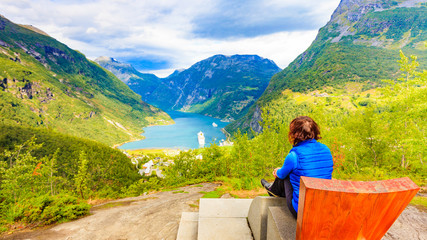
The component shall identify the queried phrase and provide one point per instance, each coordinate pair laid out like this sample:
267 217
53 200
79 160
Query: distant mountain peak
123 71
106 59
176 72
126 72
246 62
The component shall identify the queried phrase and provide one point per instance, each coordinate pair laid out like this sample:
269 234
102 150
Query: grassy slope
69 93
353 59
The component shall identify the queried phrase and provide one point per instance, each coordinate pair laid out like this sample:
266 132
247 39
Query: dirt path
157 216
154 216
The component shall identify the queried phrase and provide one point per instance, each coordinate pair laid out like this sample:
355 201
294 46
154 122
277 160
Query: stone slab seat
258 215
337 209
224 219
188 226
281 224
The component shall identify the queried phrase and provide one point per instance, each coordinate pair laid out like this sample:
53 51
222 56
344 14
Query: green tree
80 180
19 177
405 116
407 67
50 170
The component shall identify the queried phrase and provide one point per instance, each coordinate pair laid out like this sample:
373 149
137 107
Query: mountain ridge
208 86
360 44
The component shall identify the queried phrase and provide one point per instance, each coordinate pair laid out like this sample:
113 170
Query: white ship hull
201 138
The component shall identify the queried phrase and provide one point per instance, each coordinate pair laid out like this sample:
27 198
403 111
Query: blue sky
162 35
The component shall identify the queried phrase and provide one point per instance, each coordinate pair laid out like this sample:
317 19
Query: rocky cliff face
25 89
370 22
256 120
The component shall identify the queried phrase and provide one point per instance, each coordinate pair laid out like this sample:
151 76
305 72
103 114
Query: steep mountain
127 73
359 45
220 86
46 84
141 83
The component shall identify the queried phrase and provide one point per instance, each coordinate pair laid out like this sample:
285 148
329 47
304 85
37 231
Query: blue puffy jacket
314 159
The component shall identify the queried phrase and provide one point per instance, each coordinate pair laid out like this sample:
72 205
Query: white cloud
91 30
282 48
166 29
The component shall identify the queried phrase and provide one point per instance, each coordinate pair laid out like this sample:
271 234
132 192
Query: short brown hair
303 128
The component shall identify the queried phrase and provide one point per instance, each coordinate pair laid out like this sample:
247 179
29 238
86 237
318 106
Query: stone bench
328 209
223 219
337 209
259 216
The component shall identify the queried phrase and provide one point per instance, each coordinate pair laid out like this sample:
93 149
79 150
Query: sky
160 36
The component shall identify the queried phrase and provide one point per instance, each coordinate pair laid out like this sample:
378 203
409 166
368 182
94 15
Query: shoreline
171 122
117 145
155 151
166 123
142 149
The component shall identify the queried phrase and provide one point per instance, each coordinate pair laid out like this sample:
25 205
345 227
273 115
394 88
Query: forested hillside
359 45
44 83
45 176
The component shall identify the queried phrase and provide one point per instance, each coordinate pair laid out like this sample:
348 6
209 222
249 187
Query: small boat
214 124
201 138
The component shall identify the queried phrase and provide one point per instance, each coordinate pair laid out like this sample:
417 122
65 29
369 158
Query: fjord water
182 134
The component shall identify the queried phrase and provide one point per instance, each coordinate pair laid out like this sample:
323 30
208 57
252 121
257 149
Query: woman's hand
274 172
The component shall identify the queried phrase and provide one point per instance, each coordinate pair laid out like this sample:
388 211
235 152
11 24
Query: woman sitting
307 158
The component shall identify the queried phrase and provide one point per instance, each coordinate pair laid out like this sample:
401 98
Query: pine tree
80 180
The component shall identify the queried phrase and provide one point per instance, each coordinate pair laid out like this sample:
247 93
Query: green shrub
365 102
46 209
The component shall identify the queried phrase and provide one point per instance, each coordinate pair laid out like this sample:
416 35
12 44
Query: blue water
182 134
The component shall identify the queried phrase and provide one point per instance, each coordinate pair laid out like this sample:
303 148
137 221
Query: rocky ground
411 224
154 216
157 216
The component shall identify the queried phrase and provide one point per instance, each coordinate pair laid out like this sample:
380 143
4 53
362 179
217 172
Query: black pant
283 188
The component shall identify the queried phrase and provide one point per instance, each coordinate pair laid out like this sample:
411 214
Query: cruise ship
201 138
